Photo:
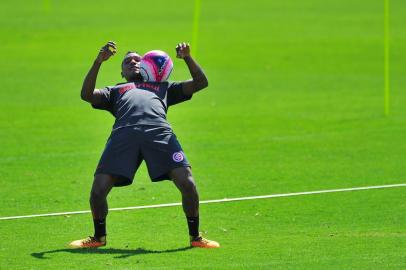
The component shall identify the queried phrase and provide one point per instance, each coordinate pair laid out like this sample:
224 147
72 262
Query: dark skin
130 70
130 67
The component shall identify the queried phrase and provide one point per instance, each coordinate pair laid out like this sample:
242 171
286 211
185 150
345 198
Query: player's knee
102 185
98 193
184 181
189 186
95 196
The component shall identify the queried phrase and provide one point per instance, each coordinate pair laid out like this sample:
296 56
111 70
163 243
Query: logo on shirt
148 86
125 88
178 156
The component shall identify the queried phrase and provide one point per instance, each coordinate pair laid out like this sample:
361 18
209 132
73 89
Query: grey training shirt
141 103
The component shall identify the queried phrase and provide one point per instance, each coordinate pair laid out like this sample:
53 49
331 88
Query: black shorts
127 147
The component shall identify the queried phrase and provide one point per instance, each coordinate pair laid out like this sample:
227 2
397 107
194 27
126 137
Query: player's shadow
121 253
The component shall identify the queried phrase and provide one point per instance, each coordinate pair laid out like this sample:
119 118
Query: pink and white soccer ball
156 66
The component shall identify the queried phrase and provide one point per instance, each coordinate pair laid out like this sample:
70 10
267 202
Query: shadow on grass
122 253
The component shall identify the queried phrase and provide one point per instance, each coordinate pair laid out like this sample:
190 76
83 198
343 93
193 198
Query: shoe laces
204 240
201 239
88 240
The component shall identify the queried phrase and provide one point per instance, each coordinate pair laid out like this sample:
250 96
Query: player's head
130 67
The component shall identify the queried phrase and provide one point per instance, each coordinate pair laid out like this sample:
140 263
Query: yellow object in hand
111 49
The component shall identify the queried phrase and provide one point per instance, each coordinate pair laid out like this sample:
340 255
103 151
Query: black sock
99 227
193 224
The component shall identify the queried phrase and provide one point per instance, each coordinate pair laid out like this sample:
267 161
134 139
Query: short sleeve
175 94
105 100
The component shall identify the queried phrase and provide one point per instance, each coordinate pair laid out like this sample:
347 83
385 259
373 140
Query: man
141 132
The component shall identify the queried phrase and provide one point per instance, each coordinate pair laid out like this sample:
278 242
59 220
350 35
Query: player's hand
183 50
106 52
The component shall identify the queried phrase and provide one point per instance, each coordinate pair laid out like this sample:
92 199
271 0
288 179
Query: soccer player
141 132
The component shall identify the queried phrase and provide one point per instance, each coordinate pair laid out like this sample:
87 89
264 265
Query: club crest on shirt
178 156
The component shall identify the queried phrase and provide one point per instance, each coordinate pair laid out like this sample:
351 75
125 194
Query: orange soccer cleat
201 242
89 242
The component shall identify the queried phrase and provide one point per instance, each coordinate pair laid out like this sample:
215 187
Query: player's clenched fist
106 52
182 50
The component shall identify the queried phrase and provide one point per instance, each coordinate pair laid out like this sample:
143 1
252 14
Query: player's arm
89 93
199 79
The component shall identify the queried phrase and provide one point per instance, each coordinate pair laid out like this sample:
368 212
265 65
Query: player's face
130 68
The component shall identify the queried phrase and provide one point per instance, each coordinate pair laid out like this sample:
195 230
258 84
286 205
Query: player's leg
117 166
102 185
165 160
183 179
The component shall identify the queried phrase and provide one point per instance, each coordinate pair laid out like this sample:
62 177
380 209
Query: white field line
215 201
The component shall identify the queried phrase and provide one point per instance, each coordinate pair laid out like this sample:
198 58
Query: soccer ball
156 66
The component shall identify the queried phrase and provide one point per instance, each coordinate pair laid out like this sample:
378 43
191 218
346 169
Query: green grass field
295 103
